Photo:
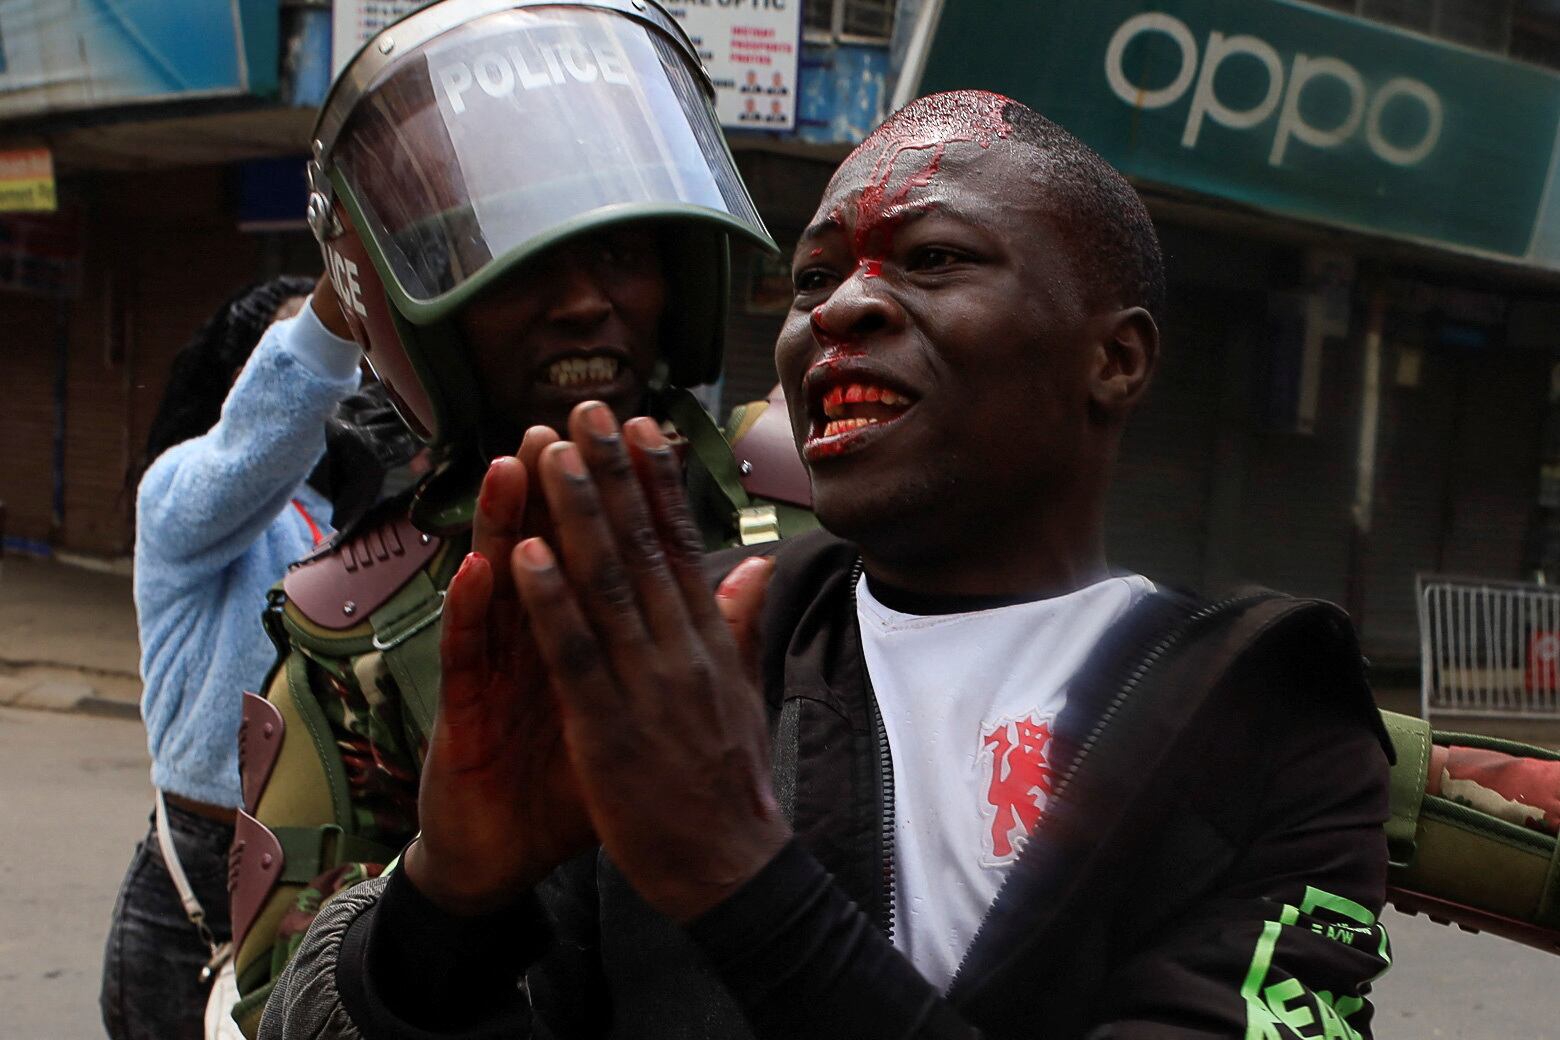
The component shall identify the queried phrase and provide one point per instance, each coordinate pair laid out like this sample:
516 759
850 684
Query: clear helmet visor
518 125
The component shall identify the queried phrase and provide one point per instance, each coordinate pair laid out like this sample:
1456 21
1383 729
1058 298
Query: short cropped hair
1100 216
1114 244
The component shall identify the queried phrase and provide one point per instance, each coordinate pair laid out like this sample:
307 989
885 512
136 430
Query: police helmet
474 134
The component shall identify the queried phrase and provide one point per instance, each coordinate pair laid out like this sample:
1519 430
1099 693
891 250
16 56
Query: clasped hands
594 690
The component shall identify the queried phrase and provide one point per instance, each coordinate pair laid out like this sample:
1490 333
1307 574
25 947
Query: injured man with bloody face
937 771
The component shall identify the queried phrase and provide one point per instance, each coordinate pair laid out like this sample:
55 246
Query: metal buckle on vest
403 630
758 524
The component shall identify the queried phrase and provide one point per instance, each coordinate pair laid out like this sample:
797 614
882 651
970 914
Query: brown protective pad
301 794
341 588
767 458
259 743
366 306
1471 919
254 866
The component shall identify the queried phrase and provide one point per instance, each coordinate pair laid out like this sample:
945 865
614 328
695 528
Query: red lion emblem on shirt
1020 783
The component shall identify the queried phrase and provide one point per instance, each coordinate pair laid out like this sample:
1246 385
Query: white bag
219 1006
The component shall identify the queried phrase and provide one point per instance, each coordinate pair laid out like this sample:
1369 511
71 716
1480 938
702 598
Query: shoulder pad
343 584
766 454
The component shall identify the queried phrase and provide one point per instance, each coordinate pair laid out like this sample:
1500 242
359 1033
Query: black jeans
151 968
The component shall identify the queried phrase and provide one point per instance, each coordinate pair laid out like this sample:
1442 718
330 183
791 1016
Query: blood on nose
834 344
840 334
819 326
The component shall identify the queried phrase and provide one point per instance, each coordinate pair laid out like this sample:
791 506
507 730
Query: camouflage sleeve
1286 943
306 1004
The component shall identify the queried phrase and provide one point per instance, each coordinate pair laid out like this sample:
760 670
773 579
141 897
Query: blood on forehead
925 127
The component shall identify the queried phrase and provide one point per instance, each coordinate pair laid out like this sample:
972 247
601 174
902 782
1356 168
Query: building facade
168 200
1359 208
1356 199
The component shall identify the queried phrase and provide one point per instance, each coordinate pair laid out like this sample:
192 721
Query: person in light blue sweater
222 509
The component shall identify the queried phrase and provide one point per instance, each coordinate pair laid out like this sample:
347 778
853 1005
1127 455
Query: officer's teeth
577 370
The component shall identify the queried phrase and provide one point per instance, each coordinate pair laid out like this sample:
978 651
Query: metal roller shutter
1156 516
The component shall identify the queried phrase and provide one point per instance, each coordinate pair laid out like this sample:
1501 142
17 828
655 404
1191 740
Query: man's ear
1127 352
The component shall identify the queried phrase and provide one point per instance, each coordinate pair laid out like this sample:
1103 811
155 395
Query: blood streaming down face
928 125
933 266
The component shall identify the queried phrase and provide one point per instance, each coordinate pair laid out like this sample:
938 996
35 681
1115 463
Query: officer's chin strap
755 521
220 952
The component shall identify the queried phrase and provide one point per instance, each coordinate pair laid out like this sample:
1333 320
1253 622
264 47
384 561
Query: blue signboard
57 55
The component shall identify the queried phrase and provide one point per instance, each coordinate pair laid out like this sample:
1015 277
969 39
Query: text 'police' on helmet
531 64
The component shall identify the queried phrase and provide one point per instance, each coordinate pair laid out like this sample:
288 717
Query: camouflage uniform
356 626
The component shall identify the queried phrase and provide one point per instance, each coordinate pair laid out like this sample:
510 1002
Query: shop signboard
355 22
1285 107
27 181
752 49
102 53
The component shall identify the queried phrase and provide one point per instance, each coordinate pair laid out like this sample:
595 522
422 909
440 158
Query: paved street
1449 985
75 801
54 615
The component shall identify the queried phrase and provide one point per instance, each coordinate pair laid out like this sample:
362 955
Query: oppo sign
1285 88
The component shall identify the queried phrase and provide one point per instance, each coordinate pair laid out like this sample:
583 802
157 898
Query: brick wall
160 252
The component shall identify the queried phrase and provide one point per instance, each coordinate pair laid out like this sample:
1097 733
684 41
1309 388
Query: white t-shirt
968 701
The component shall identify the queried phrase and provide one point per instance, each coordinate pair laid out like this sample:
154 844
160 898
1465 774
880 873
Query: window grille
1535 32
1485 24
1527 30
1408 14
856 19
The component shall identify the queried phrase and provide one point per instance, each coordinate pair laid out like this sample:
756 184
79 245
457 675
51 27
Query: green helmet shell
502 207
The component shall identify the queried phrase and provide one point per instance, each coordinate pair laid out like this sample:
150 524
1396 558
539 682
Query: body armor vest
331 751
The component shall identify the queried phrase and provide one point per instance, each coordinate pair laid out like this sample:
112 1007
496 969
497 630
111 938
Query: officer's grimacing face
578 322
936 358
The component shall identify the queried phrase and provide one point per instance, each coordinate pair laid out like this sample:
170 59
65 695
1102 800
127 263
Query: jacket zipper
1133 681
885 915
1127 688
886 773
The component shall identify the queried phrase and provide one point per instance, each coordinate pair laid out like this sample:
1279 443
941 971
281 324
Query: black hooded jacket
1211 864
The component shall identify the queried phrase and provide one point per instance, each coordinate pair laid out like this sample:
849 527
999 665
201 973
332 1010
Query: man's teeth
576 370
835 427
836 400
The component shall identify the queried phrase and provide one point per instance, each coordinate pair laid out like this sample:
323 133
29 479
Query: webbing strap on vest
308 852
1406 788
318 728
406 632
